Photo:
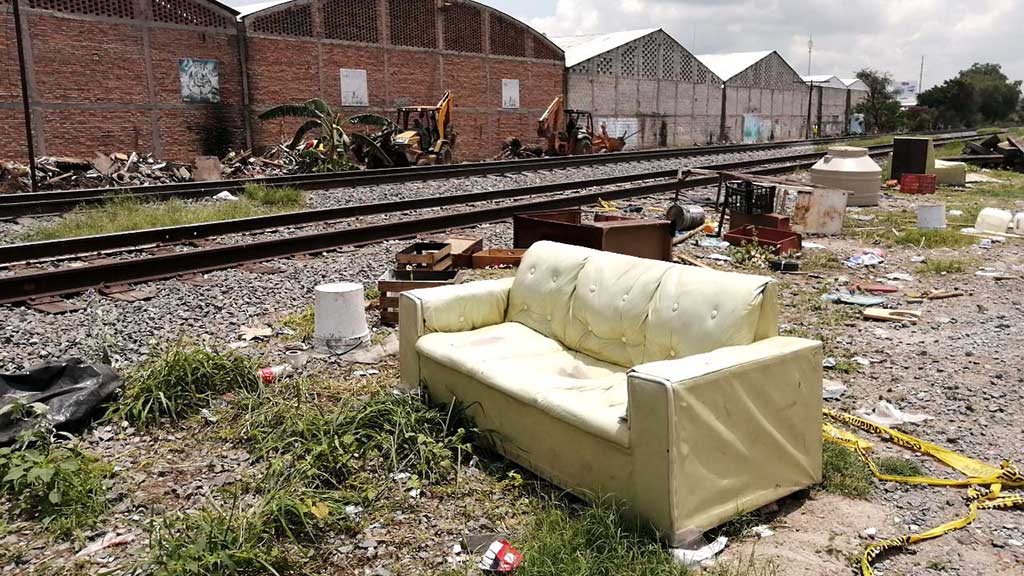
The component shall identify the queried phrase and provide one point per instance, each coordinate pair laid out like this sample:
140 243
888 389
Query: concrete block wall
673 100
828 110
770 93
399 75
104 77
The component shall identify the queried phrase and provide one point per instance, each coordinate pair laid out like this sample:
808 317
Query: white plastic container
850 168
931 216
993 220
339 317
1018 223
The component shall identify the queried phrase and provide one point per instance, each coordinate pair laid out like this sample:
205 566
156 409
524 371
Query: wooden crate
394 282
427 255
463 246
498 257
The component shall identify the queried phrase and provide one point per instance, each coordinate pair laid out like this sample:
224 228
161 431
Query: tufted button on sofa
664 386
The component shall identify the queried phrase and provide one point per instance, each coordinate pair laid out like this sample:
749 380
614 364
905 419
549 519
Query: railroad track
56 202
24 286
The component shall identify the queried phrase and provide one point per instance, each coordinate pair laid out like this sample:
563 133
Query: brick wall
108 84
300 58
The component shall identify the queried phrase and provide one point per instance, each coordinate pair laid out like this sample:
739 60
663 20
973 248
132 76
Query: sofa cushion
627 311
539 371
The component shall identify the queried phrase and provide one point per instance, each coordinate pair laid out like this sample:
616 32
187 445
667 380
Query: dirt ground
961 365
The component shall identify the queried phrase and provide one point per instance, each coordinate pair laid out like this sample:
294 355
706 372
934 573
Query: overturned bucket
339 317
931 216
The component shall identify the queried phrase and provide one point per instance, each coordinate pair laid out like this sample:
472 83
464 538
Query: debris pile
514 149
1007 154
134 169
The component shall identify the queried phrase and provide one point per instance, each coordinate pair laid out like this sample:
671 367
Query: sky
848 35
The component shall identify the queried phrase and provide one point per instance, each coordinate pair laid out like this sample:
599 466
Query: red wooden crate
918 183
778 241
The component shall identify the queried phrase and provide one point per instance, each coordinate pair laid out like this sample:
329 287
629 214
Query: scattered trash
910 316
500 557
864 260
250 333
829 362
109 540
692 558
993 220
934 295
886 414
832 390
847 297
225 195
274 373
870 532
719 257
812 245
762 531
364 373
899 277
985 243
296 358
861 361
708 242
70 390
955 213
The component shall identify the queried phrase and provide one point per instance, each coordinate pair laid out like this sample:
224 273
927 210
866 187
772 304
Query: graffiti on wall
200 80
756 129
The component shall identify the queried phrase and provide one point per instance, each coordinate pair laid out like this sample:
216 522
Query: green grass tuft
302 323
945 238
945 266
844 473
52 481
568 540
123 214
273 196
349 443
895 466
179 380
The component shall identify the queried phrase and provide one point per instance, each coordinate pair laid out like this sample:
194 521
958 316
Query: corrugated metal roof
582 48
725 66
854 84
825 80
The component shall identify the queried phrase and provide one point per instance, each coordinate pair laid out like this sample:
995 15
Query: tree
979 94
880 109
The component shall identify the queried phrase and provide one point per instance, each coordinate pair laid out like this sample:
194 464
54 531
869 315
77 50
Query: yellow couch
664 386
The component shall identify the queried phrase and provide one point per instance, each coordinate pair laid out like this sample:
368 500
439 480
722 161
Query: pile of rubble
514 149
133 169
994 151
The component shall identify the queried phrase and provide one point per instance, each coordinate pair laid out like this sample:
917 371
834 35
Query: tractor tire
445 155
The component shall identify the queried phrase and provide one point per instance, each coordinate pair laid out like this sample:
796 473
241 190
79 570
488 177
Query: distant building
763 97
645 85
829 113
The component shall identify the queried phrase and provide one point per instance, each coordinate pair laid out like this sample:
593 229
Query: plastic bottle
273 373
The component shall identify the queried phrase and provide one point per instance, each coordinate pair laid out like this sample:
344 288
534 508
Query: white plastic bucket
993 220
340 317
1018 223
931 216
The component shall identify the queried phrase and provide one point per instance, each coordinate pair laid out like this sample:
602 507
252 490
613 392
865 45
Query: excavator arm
550 123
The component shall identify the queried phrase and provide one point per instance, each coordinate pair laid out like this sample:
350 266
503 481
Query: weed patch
945 266
124 214
179 380
945 238
896 466
48 479
352 444
843 472
301 323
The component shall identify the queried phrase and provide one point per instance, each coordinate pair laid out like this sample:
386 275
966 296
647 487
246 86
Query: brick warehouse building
644 84
118 75
386 53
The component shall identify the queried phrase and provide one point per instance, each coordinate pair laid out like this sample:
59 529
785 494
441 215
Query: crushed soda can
500 557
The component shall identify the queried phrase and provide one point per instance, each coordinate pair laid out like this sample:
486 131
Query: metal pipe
16 4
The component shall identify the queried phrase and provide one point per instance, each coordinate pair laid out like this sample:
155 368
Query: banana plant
330 149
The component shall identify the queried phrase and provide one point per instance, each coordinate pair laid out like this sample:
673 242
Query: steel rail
39 203
67 280
92 244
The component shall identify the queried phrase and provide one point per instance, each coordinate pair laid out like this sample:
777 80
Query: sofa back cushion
628 311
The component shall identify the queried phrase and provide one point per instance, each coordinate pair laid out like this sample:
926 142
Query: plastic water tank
850 168
993 220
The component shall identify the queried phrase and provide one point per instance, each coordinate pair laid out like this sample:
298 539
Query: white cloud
848 34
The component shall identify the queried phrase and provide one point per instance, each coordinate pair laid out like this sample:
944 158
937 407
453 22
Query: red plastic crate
918 183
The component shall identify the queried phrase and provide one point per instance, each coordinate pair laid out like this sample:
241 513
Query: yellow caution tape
984 481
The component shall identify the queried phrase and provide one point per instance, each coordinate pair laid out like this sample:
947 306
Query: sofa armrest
455 308
718 434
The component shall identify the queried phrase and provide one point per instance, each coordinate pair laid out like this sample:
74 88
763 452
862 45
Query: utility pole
24 97
920 77
810 49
